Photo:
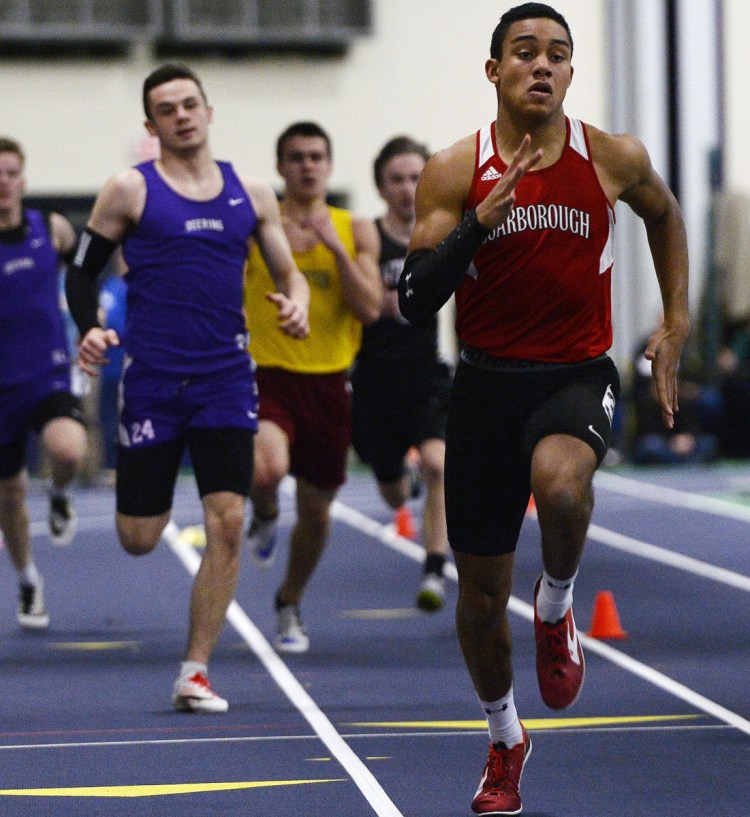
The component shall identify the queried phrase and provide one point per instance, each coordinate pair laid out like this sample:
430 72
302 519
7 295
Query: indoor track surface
379 718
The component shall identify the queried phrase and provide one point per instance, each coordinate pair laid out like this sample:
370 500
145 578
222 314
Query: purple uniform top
33 341
185 277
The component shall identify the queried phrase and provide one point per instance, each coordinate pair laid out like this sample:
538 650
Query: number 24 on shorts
141 431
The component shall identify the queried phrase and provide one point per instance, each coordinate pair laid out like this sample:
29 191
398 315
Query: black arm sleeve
429 278
81 280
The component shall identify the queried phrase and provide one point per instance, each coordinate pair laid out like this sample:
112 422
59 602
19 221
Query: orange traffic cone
605 622
404 523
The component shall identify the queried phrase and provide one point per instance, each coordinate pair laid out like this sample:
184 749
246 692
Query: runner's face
535 72
398 184
12 182
305 166
179 115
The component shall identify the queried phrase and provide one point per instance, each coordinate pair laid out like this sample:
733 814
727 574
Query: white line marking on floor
671 496
290 686
432 733
679 499
387 536
668 557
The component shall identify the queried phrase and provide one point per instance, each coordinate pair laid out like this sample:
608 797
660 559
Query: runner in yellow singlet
305 416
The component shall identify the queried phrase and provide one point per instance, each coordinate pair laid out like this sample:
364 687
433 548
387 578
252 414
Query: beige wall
421 72
737 100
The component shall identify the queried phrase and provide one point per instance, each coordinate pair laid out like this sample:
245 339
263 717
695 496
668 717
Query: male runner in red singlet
518 220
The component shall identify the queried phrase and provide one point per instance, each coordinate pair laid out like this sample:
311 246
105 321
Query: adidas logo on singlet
491 174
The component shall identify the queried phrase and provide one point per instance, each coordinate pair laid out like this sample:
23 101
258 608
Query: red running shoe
560 667
499 789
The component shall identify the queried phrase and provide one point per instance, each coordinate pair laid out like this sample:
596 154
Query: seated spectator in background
693 438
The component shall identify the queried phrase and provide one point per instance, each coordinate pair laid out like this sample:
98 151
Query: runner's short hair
302 129
8 145
166 73
397 146
527 11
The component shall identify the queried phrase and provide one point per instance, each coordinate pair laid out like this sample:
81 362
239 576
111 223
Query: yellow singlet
335 333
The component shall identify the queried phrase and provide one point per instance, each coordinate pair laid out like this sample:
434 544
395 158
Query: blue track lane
390 723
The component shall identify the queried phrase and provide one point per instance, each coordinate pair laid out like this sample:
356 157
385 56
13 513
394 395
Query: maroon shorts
314 411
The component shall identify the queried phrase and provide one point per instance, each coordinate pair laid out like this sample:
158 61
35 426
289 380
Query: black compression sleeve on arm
429 278
81 284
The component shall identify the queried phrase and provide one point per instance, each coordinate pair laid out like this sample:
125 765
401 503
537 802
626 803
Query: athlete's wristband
430 277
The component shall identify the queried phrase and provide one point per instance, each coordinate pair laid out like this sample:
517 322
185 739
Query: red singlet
539 287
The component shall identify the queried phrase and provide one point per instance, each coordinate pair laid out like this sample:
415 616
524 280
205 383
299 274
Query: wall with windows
420 70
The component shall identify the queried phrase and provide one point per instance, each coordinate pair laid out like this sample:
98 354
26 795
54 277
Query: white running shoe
431 594
194 694
32 614
290 633
63 521
261 540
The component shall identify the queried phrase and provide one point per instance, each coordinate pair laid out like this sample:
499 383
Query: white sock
502 720
29 575
189 668
555 597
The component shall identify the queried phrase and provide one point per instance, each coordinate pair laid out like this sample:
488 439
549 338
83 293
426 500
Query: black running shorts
393 410
496 418
222 460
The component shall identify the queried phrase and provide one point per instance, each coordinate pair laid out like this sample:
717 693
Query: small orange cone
404 523
531 507
605 622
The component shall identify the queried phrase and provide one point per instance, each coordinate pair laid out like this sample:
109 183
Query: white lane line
84 744
659 679
386 535
650 492
668 557
290 686
453 733
679 499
